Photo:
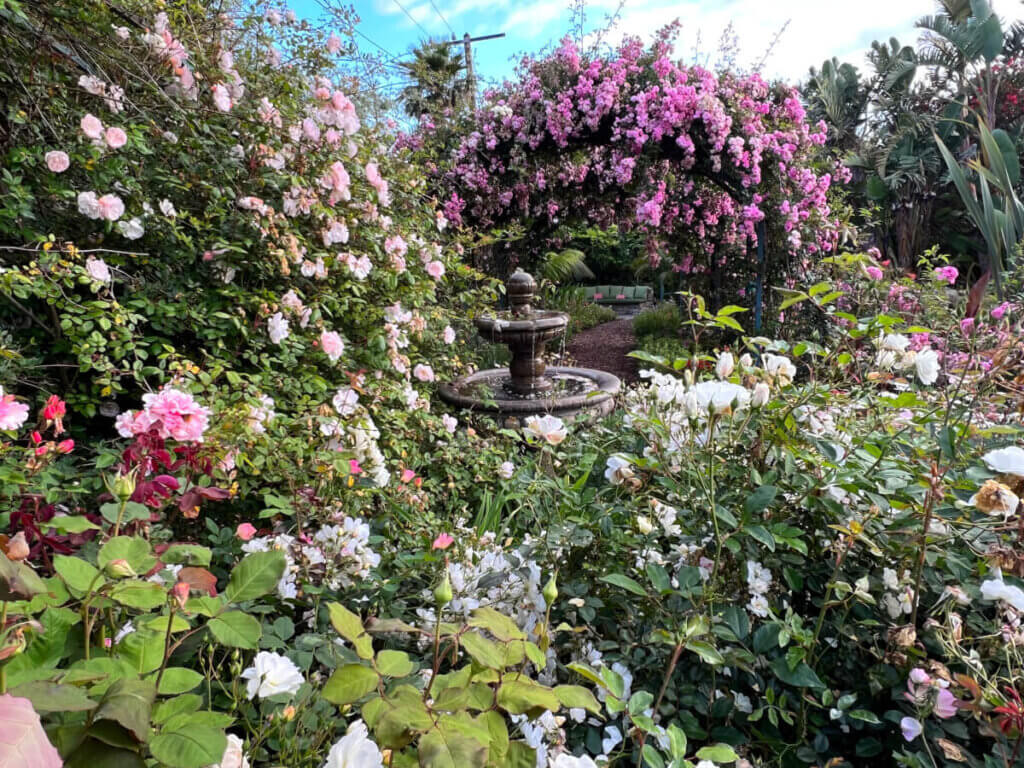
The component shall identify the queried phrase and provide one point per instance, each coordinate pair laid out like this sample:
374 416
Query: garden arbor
702 165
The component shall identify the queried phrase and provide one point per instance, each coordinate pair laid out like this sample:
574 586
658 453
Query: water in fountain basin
500 388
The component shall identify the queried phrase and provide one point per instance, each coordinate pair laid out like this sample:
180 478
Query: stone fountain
529 386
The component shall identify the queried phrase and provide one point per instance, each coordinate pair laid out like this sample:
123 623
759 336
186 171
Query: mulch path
605 347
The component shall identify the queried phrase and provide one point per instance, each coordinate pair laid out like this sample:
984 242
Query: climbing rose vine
691 158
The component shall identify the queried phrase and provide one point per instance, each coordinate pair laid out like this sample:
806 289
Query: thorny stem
661 694
120 517
3 625
167 645
929 505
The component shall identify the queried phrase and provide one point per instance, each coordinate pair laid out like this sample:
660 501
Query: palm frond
560 266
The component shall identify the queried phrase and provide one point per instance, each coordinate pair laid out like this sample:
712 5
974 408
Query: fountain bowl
575 393
529 386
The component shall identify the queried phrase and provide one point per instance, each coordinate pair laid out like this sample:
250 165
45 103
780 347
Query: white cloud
816 29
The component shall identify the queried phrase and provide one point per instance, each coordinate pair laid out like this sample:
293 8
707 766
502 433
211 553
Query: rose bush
197 217
695 161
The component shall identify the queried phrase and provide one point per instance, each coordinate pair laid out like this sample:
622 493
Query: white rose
271 674
926 365
725 365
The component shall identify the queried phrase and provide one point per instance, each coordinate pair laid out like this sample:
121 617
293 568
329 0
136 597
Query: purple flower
911 728
945 704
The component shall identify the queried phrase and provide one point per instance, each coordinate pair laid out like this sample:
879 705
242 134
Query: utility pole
467 46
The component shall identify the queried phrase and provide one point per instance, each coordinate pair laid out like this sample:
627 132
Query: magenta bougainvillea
692 159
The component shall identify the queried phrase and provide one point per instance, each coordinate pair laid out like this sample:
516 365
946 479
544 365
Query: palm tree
837 96
438 85
962 41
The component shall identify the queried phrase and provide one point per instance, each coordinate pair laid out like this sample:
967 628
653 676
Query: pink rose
332 345
245 531
57 161
443 541
875 273
435 269
221 97
116 138
110 207
999 312
92 127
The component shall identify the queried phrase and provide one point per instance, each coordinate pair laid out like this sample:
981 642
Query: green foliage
664 320
999 216
583 314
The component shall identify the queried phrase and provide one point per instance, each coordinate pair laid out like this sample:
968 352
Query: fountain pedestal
530 387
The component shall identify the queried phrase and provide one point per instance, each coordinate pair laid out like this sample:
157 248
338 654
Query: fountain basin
568 393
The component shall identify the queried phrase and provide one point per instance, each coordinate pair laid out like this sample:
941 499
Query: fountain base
573 393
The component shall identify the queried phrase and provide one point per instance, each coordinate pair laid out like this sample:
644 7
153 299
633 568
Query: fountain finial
520 289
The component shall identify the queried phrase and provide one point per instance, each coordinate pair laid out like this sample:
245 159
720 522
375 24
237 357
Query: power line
374 42
412 19
432 5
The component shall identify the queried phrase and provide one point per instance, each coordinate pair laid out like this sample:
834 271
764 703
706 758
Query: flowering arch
695 161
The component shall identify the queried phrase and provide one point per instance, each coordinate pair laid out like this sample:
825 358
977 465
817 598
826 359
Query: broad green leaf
499 625
576 696
584 671
179 705
498 730
760 499
801 677
706 651
395 663
865 715
350 627
71 524
194 746
77 573
626 583
484 652
519 696
652 758
444 747
143 650
255 576
136 593
236 630
761 534
53 697
133 549
129 702
718 753
186 554
93 753
178 680
350 683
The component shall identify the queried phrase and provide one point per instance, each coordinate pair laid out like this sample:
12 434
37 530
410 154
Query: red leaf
976 295
199 580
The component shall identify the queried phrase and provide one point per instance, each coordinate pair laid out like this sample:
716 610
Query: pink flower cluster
636 139
12 413
172 413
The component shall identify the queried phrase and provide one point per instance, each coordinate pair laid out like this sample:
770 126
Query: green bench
619 294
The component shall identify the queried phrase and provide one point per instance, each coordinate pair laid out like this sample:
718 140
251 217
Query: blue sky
811 30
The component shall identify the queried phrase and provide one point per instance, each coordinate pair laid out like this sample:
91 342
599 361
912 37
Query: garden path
605 347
